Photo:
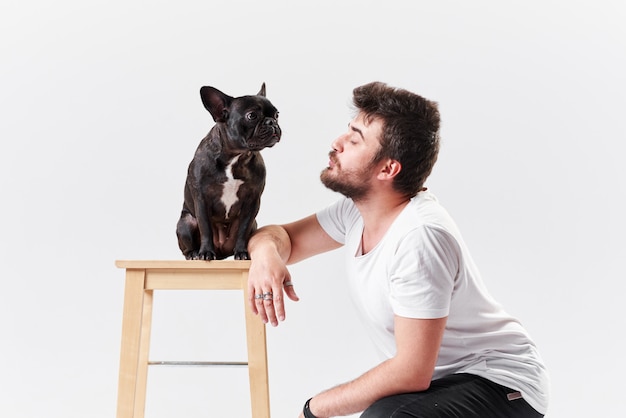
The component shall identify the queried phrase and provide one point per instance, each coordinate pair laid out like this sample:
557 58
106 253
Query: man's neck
378 214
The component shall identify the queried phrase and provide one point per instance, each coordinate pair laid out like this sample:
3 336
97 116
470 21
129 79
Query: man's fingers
259 307
290 291
270 310
264 306
279 306
252 300
279 300
269 305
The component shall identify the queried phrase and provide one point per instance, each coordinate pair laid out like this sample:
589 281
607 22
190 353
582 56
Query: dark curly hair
410 131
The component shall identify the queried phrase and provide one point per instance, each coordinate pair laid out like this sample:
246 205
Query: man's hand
268 282
268 279
271 249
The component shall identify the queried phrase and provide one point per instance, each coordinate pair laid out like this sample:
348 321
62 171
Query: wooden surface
184 264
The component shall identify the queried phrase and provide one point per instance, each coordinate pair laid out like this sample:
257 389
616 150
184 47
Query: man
450 349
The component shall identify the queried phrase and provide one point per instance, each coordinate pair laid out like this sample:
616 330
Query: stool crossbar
142 279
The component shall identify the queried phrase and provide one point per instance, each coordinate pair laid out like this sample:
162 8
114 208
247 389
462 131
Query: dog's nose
270 121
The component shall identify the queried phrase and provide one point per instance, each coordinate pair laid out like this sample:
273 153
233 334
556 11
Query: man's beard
352 184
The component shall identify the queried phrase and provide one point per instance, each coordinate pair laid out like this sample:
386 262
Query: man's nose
337 144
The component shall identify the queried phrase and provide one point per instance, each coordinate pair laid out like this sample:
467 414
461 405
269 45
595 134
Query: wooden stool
142 278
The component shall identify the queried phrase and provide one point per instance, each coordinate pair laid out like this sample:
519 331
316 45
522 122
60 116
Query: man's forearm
270 238
388 378
410 370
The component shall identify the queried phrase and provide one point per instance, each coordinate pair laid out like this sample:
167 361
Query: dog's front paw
191 255
242 255
206 255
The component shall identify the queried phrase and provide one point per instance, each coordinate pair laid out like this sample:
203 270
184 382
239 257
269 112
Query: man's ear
390 169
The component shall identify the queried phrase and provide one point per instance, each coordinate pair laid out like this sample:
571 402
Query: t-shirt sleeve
423 273
334 219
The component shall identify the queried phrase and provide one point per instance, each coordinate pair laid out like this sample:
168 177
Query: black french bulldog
226 176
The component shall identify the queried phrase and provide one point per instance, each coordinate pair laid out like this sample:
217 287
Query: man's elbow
419 385
415 382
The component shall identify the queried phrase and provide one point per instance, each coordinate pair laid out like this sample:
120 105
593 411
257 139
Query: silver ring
258 296
288 283
267 296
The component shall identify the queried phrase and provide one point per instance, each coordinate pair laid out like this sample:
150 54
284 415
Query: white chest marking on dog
231 186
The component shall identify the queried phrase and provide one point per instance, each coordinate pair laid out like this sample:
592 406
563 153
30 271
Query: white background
100 115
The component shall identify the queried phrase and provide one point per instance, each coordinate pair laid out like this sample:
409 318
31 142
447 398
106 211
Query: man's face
351 169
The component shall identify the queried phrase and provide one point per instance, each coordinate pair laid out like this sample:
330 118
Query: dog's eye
251 116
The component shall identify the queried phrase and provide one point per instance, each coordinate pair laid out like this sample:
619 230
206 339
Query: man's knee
375 411
391 407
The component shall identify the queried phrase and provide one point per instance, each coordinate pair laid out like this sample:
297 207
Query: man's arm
410 370
271 248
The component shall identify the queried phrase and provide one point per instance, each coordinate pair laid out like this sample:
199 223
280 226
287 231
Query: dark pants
455 396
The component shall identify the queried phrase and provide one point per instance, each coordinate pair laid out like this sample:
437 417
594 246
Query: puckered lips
332 159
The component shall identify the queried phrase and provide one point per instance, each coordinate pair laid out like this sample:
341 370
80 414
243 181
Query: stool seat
143 277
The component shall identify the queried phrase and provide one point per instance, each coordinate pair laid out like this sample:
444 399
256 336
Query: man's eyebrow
357 130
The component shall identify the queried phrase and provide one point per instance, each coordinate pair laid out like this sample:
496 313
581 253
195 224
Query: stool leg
135 345
257 359
144 353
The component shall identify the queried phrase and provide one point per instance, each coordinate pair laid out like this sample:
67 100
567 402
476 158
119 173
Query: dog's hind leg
188 235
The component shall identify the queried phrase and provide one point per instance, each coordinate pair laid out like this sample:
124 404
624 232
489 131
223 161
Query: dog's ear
262 91
216 102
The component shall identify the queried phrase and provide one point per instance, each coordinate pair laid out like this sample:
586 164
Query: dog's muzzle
267 134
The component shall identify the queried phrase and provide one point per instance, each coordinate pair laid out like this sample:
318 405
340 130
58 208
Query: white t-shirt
421 268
